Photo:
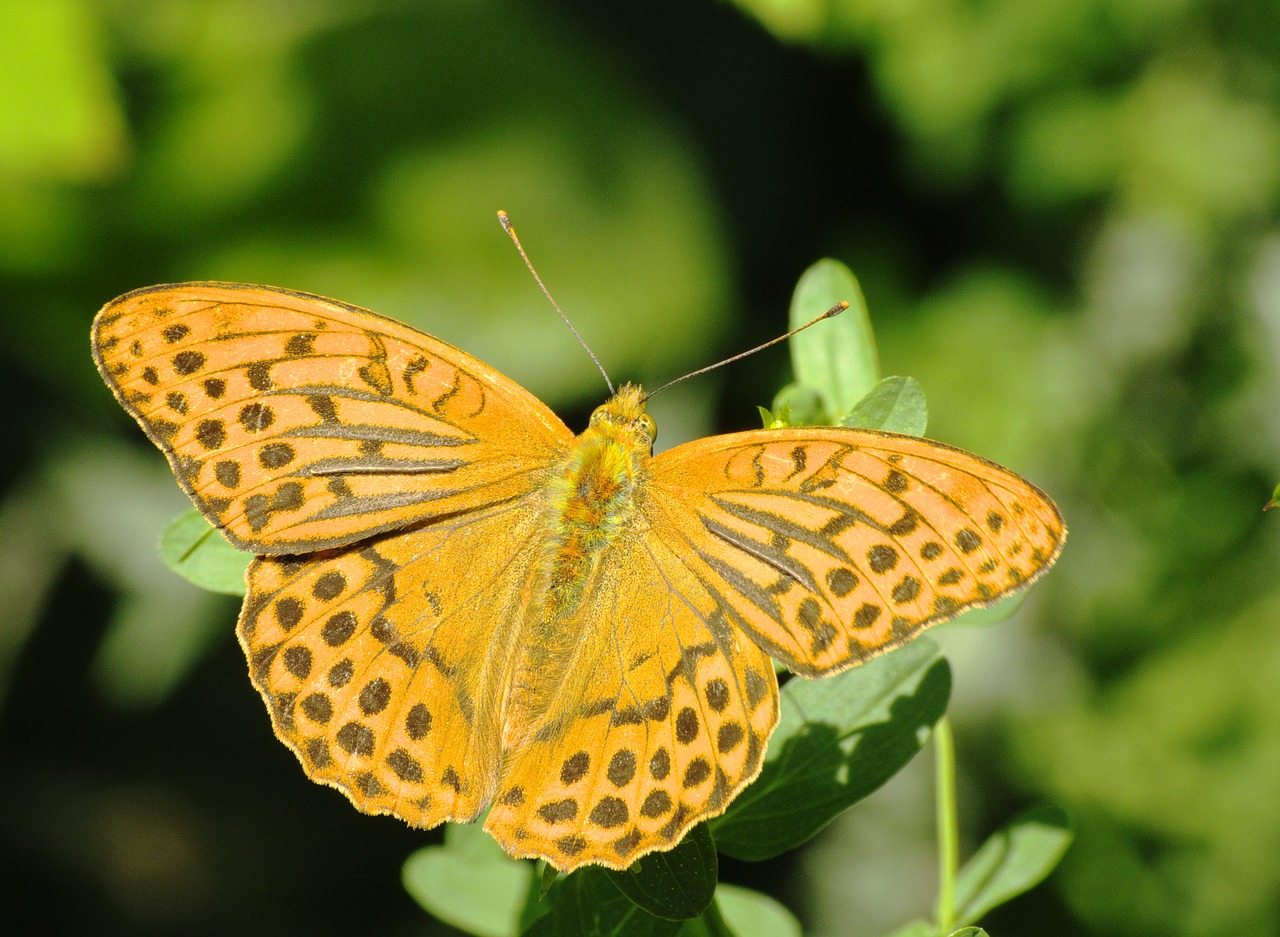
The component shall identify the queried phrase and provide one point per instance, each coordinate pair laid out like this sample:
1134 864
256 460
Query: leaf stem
948 836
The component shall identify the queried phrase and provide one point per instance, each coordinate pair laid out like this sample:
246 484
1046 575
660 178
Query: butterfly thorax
591 507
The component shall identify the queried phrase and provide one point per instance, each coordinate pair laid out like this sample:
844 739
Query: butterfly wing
661 721
384 665
298 423
829 546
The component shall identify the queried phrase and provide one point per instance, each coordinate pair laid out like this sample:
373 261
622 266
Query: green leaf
710 923
677 884
968 932
1275 500
896 404
836 358
1013 860
469 882
980 617
586 903
838 739
199 553
798 406
748 913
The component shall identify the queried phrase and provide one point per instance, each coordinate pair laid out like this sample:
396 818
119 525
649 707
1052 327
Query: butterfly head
623 418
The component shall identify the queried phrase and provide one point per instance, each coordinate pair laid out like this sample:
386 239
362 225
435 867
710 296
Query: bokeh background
1064 214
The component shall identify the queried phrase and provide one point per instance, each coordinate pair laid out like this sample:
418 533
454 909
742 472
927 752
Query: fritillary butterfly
458 605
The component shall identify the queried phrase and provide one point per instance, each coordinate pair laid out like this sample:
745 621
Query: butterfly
457 605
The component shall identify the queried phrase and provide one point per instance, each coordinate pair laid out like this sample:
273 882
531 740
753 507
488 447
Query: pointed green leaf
838 739
1275 500
549 874
1013 860
896 404
836 358
535 897
677 884
469 882
586 902
199 553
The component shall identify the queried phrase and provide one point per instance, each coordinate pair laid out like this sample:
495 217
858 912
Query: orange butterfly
460 605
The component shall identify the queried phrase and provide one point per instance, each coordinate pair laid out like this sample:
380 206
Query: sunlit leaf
895 404
200 554
749 913
835 358
1013 860
469 882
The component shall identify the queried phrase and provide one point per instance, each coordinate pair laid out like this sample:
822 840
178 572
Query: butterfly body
457 604
593 495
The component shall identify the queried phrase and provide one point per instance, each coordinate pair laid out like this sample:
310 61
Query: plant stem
948 836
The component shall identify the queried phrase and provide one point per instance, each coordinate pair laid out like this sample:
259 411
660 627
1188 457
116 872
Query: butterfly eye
648 426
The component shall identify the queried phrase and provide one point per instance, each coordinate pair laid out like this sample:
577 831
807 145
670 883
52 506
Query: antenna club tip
502 217
837 309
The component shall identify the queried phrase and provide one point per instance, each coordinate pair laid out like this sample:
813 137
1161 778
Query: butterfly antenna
833 311
511 233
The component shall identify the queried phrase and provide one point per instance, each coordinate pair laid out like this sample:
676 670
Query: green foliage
674 885
895 404
838 739
746 913
195 550
836 366
1014 859
586 902
1063 213
469 882
835 361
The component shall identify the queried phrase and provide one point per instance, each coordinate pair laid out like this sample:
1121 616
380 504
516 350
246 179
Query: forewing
662 719
297 423
831 545
384 665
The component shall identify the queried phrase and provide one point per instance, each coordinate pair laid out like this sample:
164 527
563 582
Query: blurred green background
1066 218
